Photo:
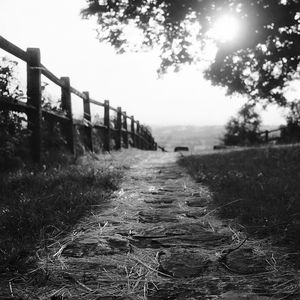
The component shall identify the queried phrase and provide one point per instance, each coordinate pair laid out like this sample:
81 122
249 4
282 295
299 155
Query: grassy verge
262 185
36 206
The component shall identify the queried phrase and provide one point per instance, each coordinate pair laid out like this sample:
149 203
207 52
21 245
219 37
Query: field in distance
197 138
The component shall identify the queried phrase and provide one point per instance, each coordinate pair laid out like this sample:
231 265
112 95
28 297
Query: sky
69 47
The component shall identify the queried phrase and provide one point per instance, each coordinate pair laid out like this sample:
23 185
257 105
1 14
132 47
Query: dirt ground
157 239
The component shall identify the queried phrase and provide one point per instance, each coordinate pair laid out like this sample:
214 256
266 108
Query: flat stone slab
181 263
159 201
187 228
181 235
240 295
182 289
196 214
90 247
206 288
196 202
156 217
245 261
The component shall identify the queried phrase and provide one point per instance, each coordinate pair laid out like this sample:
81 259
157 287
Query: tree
259 64
244 128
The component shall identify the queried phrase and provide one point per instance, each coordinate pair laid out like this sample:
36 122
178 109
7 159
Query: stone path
158 240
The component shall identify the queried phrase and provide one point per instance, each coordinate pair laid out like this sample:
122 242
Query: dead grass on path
125 275
129 275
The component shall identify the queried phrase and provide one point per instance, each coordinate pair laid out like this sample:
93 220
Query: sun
225 29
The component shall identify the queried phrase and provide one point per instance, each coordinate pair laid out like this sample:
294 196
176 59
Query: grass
261 187
37 205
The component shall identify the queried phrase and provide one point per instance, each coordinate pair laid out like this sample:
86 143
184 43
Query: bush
291 132
244 128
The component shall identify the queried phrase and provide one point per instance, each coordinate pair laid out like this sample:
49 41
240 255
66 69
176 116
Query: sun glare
225 29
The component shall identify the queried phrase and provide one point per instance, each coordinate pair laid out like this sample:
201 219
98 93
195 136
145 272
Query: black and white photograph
150 149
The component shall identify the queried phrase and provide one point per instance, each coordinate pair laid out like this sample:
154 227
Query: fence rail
268 138
140 136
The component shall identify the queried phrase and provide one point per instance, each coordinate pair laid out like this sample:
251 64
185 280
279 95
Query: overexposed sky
69 48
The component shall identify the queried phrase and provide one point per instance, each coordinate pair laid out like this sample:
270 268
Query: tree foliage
244 128
13 134
259 64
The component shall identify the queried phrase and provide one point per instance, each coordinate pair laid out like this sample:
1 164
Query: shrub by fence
135 135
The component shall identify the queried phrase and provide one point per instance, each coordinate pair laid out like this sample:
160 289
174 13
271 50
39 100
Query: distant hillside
195 137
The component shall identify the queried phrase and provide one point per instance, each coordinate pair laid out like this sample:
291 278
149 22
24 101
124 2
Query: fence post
132 130
138 137
107 125
152 142
145 142
125 128
34 97
142 137
119 129
67 106
148 138
88 118
267 136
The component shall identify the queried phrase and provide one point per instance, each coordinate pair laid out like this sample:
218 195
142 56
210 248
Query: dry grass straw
128 275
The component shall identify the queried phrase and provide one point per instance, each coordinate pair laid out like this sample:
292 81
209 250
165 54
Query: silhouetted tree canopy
258 64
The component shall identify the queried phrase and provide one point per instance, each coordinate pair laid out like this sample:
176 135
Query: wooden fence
270 135
141 137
